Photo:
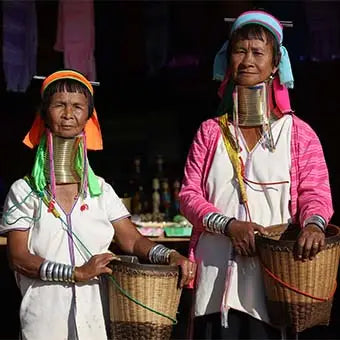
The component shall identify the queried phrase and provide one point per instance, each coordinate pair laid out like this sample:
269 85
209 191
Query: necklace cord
44 198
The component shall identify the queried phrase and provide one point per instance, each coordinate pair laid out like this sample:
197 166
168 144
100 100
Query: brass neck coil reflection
64 154
252 105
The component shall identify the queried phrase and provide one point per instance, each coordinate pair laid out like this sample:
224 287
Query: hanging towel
19 43
75 36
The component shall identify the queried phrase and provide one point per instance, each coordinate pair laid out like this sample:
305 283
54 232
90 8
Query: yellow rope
233 154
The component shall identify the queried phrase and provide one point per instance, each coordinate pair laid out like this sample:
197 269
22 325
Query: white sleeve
115 208
21 208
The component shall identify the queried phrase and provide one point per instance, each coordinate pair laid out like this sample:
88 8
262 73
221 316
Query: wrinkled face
67 114
251 61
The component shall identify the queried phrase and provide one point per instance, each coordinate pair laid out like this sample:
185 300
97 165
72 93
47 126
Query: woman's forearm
130 241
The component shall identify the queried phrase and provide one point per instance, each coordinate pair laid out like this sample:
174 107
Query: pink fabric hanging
75 36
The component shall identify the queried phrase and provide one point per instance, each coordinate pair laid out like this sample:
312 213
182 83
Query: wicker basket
299 294
154 286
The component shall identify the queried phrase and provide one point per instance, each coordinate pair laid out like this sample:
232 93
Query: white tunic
52 310
268 205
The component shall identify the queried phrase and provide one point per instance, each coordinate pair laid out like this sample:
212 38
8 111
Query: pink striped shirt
310 190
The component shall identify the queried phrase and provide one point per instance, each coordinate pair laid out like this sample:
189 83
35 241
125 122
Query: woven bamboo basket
299 295
153 287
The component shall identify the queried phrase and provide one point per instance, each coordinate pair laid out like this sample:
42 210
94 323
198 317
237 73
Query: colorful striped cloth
310 189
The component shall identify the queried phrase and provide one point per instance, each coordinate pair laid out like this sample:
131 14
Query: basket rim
143 266
263 239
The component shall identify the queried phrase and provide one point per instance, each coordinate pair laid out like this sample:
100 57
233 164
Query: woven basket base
140 331
300 316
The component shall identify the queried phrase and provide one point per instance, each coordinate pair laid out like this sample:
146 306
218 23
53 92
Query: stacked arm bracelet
160 254
217 223
57 272
317 220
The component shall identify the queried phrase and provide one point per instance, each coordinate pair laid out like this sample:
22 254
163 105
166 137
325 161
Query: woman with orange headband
61 219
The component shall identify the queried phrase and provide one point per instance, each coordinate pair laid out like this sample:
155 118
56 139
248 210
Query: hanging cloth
76 36
19 49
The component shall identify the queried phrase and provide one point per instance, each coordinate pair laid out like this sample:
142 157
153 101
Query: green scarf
39 181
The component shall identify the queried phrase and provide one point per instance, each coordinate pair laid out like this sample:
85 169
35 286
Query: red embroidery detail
84 207
50 206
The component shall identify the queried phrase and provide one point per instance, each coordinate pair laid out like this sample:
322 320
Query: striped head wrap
261 18
269 22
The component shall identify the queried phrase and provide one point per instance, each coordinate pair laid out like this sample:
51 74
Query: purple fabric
19 43
70 238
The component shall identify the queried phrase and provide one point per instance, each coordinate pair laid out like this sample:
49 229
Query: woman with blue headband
254 166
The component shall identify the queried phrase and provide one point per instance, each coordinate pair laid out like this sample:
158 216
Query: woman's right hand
95 266
242 236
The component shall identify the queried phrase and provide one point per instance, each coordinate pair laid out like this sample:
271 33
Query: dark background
154 62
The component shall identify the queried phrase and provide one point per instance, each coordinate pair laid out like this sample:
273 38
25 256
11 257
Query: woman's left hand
310 241
188 268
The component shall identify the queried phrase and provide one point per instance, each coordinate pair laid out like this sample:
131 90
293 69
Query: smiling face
251 61
67 114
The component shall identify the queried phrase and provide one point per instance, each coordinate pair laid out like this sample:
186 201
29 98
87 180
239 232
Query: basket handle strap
296 290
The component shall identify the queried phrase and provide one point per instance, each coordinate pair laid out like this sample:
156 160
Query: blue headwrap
274 26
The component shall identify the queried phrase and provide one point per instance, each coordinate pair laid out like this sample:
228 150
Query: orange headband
66 74
93 134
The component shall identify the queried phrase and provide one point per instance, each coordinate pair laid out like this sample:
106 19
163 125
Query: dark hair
65 85
255 31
